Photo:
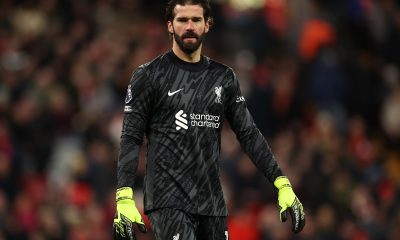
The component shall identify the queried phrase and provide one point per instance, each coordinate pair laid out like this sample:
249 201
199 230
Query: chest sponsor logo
196 120
180 120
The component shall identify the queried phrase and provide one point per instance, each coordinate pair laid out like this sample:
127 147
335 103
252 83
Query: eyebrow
182 18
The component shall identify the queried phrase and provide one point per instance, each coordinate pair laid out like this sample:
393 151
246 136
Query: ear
207 25
170 27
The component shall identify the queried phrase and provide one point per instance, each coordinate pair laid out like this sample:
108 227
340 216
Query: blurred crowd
321 78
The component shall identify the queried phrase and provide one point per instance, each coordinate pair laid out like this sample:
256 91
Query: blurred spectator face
5 165
188 27
362 204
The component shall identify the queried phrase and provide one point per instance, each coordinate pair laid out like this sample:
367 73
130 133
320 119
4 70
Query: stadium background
321 78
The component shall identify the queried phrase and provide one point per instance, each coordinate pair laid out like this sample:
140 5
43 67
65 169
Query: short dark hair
205 4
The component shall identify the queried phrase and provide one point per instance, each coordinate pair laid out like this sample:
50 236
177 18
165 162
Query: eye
182 19
196 19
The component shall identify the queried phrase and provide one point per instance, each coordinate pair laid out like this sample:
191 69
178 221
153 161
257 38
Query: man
180 100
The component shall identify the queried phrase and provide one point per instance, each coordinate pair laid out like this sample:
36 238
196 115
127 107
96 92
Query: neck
192 58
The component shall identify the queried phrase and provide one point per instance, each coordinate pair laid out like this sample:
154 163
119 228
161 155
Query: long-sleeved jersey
181 107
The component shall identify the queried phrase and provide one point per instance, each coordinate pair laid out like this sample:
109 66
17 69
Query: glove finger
142 227
116 233
117 228
295 220
283 215
297 216
302 219
130 232
128 228
302 224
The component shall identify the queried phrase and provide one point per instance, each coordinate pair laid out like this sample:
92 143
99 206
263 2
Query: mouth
190 38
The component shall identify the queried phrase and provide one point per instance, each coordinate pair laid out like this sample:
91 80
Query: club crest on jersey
128 97
218 91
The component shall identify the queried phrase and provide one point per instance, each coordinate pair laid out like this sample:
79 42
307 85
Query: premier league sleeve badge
128 97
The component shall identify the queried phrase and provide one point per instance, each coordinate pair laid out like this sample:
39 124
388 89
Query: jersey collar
197 66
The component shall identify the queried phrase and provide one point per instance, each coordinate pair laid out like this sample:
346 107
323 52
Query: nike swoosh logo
172 93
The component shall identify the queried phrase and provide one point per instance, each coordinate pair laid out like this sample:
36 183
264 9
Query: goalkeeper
179 101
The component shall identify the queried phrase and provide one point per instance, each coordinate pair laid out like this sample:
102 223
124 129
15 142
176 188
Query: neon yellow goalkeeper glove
288 201
126 215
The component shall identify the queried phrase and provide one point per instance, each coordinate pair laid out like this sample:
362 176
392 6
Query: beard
189 47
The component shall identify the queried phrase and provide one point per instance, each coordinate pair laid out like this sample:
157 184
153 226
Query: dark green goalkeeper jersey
181 107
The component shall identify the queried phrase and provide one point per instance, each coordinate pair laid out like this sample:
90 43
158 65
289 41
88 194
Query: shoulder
220 67
151 65
215 64
145 70
229 77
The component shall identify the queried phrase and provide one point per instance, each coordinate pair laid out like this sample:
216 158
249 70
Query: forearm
256 147
128 160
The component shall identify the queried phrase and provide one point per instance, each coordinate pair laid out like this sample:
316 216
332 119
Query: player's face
188 27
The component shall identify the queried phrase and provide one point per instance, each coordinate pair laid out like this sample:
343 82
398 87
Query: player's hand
288 202
126 215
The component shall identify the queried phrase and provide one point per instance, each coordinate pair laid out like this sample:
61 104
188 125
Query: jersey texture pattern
180 107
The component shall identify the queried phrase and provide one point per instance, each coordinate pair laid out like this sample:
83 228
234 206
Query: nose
190 25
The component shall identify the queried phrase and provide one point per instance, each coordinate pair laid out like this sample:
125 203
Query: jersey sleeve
250 138
137 110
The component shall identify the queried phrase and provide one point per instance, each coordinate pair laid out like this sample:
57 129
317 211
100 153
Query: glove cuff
124 193
282 182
